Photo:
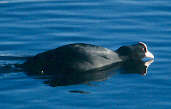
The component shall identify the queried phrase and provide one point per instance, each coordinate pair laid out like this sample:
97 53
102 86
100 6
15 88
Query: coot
80 57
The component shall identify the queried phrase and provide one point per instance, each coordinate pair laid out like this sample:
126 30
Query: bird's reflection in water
139 67
72 78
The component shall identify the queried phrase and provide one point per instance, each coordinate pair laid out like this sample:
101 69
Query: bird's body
81 57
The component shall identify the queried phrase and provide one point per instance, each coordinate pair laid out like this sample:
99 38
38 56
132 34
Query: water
28 27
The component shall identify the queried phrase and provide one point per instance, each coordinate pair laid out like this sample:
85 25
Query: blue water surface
28 27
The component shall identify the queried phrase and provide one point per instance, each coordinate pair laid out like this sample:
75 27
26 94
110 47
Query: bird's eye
143 49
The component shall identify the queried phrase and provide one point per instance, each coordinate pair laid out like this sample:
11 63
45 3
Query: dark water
28 27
